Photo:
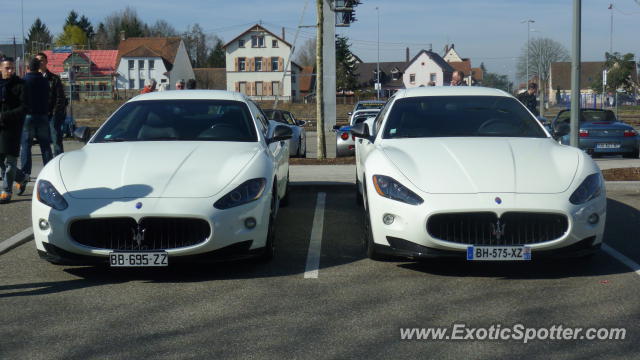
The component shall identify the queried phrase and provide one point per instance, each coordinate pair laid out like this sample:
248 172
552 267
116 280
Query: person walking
57 110
528 99
12 110
36 123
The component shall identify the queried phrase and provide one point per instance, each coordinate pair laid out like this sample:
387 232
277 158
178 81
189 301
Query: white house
164 60
425 68
256 61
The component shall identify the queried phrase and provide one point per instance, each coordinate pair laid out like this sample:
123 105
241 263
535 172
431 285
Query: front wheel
370 248
269 246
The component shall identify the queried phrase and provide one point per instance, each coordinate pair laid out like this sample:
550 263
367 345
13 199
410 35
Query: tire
370 249
299 148
269 246
359 201
285 200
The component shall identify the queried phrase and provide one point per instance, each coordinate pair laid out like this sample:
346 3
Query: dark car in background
600 133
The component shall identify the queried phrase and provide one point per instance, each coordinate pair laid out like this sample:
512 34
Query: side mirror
349 113
360 130
82 134
280 133
336 127
301 122
561 130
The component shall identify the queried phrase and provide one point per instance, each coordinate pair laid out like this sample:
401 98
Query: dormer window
274 43
395 74
257 41
241 43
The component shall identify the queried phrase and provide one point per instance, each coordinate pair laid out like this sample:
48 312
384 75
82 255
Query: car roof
191 95
371 102
451 91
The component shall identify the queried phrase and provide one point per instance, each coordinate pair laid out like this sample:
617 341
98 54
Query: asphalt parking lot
354 308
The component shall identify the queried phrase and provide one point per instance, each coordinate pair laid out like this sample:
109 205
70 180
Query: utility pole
611 31
575 72
378 85
322 146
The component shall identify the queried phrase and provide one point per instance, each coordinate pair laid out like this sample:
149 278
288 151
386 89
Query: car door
279 149
298 138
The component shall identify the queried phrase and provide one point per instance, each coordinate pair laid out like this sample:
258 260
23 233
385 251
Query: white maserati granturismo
170 176
469 172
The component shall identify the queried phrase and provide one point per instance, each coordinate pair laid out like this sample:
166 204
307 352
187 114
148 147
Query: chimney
283 33
407 57
122 35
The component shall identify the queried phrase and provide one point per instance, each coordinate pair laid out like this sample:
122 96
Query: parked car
468 172
170 176
367 105
298 142
345 142
600 133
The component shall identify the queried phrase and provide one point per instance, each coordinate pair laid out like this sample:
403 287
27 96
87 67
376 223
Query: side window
289 119
382 114
263 123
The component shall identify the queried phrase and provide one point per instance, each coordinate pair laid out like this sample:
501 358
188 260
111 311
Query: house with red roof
91 72
162 59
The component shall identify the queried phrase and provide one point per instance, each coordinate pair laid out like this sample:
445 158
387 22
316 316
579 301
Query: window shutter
237 86
280 64
252 88
237 67
252 66
267 88
265 63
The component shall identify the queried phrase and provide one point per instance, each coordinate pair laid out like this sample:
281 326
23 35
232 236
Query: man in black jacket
36 123
12 102
57 104
528 98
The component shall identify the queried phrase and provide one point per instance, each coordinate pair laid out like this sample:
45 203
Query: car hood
484 165
154 169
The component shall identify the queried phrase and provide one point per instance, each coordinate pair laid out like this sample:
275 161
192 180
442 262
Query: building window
293 77
242 63
259 88
102 86
140 83
432 77
131 64
243 87
412 78
274 43
274 64
293 93
141 64
152 64
257 41
258 62
395 75
132 83
275 87
241 43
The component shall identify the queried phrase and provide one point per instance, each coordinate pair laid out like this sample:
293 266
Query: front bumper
407 236
228 230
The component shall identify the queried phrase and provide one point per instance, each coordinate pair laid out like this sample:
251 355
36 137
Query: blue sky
486 31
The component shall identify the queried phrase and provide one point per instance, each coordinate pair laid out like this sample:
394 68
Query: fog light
43 224
250 223
388 219
593 219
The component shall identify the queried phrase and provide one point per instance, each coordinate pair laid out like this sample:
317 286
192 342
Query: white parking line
315 242
620 257
16 240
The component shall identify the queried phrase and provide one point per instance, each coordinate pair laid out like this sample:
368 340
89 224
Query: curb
630 186
16 240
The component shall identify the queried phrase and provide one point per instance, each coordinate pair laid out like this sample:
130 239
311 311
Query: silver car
298 142
345 142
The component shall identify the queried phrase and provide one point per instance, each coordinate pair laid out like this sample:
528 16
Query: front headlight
248 191
590 188
48 195
390 188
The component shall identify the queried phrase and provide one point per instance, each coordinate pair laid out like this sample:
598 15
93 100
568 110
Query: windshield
279 116
364 106
179 120
460 116
588 116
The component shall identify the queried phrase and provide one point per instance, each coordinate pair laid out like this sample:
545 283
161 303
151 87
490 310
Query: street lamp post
378 86
529 22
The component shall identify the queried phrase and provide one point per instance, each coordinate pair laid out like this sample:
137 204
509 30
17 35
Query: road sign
378 86
62 49
604 77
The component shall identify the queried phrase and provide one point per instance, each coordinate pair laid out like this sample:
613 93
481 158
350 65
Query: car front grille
152 233
486 229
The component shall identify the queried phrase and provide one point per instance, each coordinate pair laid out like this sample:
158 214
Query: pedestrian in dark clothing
36 123
528 99
12 110
57 105
191 84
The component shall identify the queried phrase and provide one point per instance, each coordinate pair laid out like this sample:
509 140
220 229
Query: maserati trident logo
138 234
497 230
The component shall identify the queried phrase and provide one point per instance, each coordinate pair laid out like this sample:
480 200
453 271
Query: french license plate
608 146
501 253
138 259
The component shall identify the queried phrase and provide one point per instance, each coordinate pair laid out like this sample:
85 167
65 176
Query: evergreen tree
217 57
39 38
72 19
86 26
72 35
346 77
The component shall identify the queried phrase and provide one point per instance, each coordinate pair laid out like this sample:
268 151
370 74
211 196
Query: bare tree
162 28
195 41
306 54
542 52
